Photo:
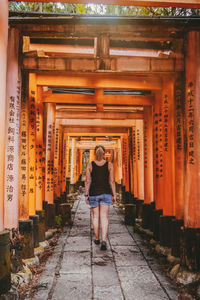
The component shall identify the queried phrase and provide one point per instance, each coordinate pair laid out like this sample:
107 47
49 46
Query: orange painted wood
67 155
103 80
56 162
11 184
88 64
98 99
135 166
140 159
23 166
130 143
49 170
39 149
125 164
98 115
158 3
73 161
148 154
64 165
192 112
3 67
179 94
61 137
158 152
32 142
168 147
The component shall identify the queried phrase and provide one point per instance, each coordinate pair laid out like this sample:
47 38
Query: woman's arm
87 182
112 182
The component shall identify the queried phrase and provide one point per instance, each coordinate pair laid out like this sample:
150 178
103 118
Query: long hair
99 152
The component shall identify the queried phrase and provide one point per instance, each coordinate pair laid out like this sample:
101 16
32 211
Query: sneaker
103 246
97 242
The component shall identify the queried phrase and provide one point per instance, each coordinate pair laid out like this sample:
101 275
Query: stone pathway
80 270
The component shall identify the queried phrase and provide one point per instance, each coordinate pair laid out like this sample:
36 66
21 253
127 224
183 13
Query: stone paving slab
73 287
108 292
80 270
140 282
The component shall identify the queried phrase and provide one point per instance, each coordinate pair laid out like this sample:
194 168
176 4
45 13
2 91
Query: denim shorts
100 199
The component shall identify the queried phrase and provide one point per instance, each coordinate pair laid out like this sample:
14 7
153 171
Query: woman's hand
87 200
113 200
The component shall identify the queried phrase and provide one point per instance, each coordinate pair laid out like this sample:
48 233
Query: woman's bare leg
104 209
95 221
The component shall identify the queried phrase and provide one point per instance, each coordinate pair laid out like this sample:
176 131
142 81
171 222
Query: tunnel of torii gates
131 84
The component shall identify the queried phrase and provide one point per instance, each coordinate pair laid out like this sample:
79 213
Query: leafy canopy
100 9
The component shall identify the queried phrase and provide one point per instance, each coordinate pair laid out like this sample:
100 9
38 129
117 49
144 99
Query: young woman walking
100 193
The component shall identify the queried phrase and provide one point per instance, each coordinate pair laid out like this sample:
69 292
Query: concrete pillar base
153 206
63 197
146 215
50 215
41 229
44 206
176 236
67 185
65 212
156 222
165 230
190 248
5 272
139 204
123 195
35 220
26 229
130 214
57 203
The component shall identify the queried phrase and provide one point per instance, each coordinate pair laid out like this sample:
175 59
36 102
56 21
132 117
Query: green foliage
100 9
58 220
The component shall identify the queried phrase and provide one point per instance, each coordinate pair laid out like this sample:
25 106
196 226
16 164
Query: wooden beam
156 3
98 115
91 133
103 80
96 122
97 131
87 64
98 99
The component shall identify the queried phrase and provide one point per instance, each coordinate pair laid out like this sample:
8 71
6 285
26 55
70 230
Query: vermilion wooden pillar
72 160
60 159
24 164
125 155
190 255
3 68
64 164
32 141
168 147
67 156
50 132
179 97
192 113
158 152
119 161
140 158
135 177
56 162
130 136
39 149
11 196
148 155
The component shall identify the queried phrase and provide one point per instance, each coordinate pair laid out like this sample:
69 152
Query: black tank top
99 180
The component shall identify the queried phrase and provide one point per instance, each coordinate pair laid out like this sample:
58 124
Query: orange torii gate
170 103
